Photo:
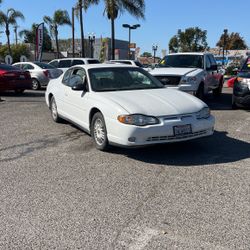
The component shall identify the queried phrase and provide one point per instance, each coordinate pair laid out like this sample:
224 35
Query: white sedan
124 105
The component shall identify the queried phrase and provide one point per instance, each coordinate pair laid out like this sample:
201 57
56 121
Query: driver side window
76 77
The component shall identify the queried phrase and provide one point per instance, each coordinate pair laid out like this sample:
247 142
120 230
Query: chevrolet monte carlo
126 106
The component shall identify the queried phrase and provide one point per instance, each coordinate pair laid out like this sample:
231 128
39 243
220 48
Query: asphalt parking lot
58 192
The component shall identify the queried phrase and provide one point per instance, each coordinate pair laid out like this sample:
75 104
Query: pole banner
39 42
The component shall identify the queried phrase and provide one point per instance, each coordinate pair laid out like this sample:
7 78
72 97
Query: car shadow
223 102
27 93
216 149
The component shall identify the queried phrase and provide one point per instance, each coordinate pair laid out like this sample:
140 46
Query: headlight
188 79
138 120
203 113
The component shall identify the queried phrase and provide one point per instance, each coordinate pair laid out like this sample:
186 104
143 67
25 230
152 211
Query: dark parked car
12 78
241 88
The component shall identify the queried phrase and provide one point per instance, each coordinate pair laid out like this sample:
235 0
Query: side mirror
79 83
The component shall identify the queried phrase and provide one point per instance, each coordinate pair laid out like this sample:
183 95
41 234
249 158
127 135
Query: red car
12 78
230 82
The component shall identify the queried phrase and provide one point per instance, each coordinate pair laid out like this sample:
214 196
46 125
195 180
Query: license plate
182 129
22 76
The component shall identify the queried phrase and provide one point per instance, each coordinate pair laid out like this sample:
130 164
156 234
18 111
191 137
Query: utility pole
224 45
73 32
15 31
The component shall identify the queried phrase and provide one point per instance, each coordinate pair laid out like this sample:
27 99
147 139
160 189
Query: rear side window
54 63
44 65
77 62
18 65
64 64
93 61
27 67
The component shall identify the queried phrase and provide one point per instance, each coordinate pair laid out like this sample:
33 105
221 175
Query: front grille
169 80
176 137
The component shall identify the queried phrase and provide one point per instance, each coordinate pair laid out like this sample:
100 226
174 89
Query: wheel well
91 114
35 79
50 96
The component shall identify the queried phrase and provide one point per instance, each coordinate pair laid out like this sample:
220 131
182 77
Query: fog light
131 139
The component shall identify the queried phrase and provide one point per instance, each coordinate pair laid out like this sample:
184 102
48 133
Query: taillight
46 73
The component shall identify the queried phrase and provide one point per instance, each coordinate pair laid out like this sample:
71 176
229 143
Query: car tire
99 132
217 92
35 84
53 109
200 92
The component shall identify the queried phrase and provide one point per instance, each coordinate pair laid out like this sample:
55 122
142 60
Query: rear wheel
99 132
35 84
53 109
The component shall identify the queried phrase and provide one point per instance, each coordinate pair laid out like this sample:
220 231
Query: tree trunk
57 44
112 38
81 27
8 39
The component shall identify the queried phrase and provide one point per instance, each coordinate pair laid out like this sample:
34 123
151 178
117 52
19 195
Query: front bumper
241 96
121 134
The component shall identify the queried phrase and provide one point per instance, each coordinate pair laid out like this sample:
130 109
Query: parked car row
195 73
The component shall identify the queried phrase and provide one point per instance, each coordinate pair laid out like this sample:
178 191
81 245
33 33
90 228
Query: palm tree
79 6
113 7
7 19
60 17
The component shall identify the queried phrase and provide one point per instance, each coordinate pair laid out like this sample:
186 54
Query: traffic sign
8 59
23 58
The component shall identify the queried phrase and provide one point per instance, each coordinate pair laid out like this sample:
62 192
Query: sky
162 19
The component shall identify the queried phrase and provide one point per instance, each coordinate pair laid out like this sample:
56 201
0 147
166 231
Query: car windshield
117 79
182 61
44 65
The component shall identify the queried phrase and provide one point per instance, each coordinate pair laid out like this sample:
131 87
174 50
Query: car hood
173 71
156 102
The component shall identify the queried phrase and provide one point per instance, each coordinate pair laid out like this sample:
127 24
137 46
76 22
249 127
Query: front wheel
99 132
53 109
200 92
217 92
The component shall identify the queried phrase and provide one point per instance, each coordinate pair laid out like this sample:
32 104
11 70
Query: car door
76 101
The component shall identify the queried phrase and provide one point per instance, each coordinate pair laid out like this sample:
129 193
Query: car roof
104 65
74 58
190 53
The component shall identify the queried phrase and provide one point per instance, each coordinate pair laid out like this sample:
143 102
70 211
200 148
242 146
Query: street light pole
130 27
73 32
91 42
224 45
154 48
